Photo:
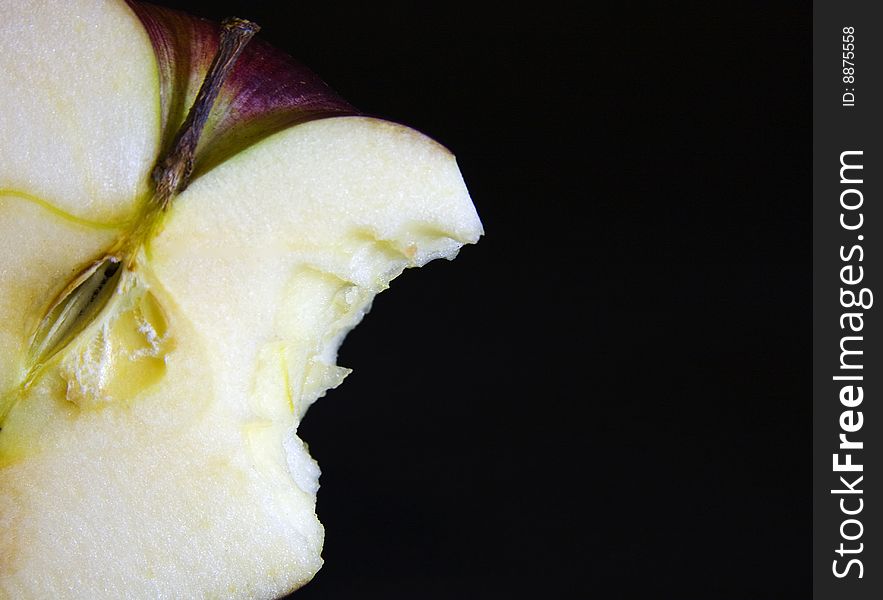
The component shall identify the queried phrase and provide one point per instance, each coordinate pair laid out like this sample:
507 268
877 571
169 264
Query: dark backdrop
608 396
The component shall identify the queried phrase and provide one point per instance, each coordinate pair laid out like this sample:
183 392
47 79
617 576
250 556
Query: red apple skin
266 92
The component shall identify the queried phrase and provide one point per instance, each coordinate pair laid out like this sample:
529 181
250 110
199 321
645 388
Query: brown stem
172 174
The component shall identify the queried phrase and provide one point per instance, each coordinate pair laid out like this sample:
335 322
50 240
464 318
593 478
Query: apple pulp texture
156 455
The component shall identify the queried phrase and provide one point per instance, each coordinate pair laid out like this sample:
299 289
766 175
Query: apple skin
266 92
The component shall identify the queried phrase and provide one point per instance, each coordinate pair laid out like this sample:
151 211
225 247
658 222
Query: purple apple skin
266 92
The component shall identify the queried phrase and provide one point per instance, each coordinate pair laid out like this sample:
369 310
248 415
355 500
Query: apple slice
148 444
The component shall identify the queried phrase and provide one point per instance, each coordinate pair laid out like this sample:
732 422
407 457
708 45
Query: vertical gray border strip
838 128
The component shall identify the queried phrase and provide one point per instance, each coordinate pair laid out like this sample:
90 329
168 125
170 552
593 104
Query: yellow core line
19 195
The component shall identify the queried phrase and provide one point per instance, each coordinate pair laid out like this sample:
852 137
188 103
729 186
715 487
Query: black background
609 395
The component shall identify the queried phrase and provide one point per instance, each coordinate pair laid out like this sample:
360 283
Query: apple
190 223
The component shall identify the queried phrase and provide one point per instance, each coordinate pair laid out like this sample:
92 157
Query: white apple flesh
156 455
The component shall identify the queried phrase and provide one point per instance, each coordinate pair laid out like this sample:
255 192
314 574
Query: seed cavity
124 358
77 307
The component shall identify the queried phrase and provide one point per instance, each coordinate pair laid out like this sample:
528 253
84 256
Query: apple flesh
155 454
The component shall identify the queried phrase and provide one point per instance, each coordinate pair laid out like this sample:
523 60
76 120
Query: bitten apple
190 223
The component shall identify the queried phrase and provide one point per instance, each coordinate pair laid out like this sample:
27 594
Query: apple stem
172 174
